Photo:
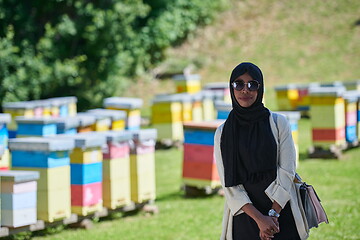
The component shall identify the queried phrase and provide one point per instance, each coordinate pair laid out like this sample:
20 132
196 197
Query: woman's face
245 97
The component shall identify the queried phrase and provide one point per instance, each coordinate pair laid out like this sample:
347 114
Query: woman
255 157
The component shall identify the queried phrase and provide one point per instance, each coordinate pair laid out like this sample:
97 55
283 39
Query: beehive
327 111
49 157
132 108
199 167
208 106
221 91
223 109
142 165
117 117
287 97
86 122
86 173
351 116
293 118
189 83
166 117
16 109
36 127
116 169
18 198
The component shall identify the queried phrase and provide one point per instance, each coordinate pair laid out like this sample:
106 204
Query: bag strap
297 178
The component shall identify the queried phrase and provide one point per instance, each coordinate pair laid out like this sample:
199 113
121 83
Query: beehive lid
291 115
223 106
113 114
143 134
85 119
204 125
40 144
327 91
114 136
123 102
105 120
352 96
86 140
286 87
5 118
65 100
186 77
35 120
67 122
216 86
19 176
18 105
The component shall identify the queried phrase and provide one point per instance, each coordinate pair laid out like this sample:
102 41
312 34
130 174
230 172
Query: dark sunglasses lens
239 85
253 85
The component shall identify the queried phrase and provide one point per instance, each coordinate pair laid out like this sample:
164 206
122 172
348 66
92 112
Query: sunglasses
252 85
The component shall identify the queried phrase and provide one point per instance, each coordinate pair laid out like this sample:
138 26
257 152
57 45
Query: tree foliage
88 49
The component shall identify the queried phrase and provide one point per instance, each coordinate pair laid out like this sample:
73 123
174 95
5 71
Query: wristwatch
273 213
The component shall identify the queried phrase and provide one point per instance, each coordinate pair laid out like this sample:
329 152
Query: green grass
336 182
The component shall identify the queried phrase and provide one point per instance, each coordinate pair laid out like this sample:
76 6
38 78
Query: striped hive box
223 109
63 106
189 83
166 117
351 116
35 127
186 106
116 169
117 117
287 97
199 167
86 172
197 108
142 165
18 198
327 111
85 122
16 109
102 122
303 101
50 157
67 125
221 91
132 108
293 118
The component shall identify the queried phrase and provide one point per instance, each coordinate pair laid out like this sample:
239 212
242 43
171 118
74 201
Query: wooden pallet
328 153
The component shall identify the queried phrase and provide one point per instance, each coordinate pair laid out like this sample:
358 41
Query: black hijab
248 147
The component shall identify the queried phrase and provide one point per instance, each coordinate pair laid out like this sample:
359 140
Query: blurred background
95 50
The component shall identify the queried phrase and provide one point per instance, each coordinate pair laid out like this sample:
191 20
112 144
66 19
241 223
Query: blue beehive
223 109
36 126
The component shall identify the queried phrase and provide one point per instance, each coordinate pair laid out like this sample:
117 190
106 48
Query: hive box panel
327 116
116 150
18 218
173 131
116 193
118 125
116 168
86 210
143 187
39 159
54 204
10 201
194 136
87 155
86 195
199 153
86 173
200 170
36 129
11 187
51 178
142 163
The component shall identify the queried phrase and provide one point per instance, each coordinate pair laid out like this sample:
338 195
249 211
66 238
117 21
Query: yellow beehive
88 155
118 117
173 131
16 109
142 165
187 83
197 109
116 192
287 97
327 111
208 106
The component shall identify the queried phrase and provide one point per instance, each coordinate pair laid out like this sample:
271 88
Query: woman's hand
268 227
